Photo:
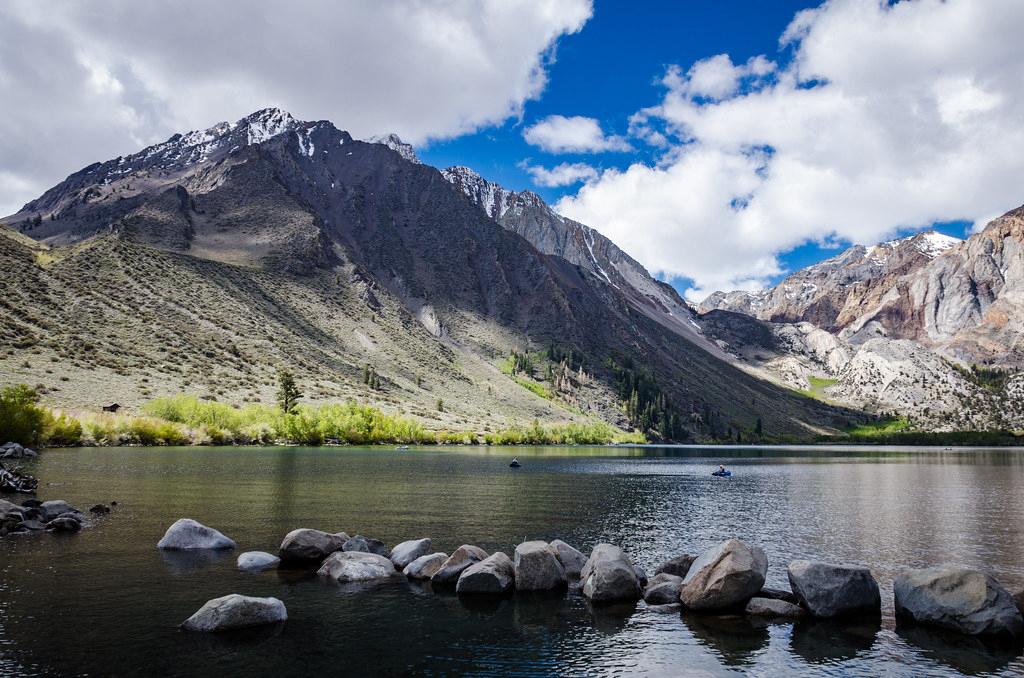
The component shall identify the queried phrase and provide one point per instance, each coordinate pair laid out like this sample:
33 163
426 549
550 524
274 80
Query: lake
106 602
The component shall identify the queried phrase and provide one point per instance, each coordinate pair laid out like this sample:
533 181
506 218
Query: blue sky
611 69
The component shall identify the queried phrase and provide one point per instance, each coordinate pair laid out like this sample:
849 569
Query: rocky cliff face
323 248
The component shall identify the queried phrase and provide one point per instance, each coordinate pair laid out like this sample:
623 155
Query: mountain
208 261
928 326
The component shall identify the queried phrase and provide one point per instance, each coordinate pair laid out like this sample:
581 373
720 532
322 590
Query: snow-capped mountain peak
395 143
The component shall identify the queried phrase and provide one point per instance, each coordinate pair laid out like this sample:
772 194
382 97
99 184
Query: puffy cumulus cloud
85 82
888 116
563 174
576 134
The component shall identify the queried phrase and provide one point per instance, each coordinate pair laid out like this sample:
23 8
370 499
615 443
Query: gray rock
778 594
11 511
451 569
493 575
641 575
571 559
665 609
834 590
959 599
724 576
663 589
51 509
31 525
100 509
408 551
424 567
257 561
345 566
307 546
31 503
678 566
771 607
187 534
365 545
537 567
64 523
608 576
236 612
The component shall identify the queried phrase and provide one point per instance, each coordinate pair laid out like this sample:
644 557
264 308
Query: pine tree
288 393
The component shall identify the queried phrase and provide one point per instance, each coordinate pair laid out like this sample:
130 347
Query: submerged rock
571 559
64 523
663 589
307 546
365 545
724 576
188 534
235 611
493 575
772 607
959 599
424 567
451 569
608 576
256 561
537 567
99 509
408 551
52 509
346 566
834 590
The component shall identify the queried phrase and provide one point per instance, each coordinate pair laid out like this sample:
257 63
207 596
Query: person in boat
515 463
721 471
721 468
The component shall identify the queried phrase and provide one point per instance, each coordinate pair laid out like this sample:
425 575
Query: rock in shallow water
724 576
408 551
308 546
663 589
365 545
346 566
426 566
537 567
772 608
187 534
834 590
959 599
52 509
678 566
235 611
493 575
609 576
256 561
464 556
571 559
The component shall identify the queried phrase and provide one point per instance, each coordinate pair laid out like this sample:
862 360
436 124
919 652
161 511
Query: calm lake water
106 602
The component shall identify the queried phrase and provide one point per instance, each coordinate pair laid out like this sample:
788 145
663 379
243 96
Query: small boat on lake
515 463
402 447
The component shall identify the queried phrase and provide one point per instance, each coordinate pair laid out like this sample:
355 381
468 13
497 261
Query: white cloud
564 174
576 134
887 117
86 82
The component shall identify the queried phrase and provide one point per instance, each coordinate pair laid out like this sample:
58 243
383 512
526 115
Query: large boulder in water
493 575
450 571
365 545
308 546
608 576
571 559
663 589
425 567
537 567
345 566
724 576
959 599
679 566
50 510
408 551
236 612
187 534
256 561
834 590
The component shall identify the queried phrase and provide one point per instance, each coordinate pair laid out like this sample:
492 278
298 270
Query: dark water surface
106 602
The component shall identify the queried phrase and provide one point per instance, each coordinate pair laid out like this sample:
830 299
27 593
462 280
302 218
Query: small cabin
112 407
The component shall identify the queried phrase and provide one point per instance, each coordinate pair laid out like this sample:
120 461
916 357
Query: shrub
21 418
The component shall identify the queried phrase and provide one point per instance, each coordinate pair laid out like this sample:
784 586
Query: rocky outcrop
236 612
256 561
187 534
724 576
310 546
663 589
537 567
16 451
494 575
408 551
608 576
426 566
959 599
571 559
772 608
37 516
834 590
365 545
348 566
450 571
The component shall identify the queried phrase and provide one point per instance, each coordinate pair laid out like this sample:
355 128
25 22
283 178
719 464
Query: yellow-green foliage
215 422
880 428
592 433
123 429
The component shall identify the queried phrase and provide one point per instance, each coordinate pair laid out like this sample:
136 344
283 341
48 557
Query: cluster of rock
16 451
728 578
36 516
